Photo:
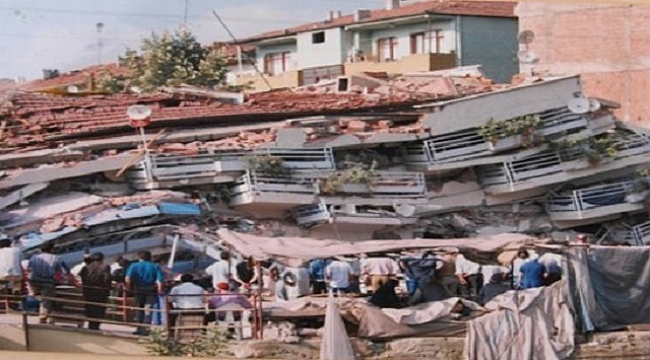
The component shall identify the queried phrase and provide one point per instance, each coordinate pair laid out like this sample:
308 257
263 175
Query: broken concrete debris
434 155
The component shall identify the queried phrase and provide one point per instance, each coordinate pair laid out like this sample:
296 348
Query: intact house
413 37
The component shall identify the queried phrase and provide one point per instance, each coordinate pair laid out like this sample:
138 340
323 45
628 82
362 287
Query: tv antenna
99 27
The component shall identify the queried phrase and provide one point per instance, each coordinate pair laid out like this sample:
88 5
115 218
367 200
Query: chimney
361 15
333 15
392 4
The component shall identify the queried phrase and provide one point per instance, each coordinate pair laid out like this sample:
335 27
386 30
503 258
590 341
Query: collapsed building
444 154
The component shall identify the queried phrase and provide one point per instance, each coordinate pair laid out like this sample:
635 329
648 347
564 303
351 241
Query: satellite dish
578 105
73 89
526 56
136 90
138 112
594 105
526 37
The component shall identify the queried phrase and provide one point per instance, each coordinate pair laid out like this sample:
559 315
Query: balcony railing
592 202
206 166
637 235
549 163
468 143
385 184
252 182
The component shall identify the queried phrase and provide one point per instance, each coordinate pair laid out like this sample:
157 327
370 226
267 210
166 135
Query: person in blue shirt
417 269
317 275
532 274
145 279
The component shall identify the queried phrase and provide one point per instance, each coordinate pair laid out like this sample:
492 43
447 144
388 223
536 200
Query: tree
167 60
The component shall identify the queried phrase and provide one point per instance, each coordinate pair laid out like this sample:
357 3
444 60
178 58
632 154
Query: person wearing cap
496 286
96 287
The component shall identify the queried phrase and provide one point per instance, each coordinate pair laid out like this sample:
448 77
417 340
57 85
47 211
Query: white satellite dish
138 112
526 37
578 105
594 105
526 56
136 90
73 89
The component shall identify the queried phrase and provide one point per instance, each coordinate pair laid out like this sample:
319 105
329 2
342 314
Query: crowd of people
428 277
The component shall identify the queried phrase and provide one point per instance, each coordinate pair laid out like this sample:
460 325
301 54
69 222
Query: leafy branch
268 165
359 174
526 126
593 149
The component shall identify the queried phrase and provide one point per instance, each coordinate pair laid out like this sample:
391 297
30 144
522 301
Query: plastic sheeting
534 324
615 288
336 344
297 249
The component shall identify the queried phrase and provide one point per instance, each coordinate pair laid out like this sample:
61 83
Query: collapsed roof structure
438 155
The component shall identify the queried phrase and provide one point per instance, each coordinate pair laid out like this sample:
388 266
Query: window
387 48
276 63
423 41
318 37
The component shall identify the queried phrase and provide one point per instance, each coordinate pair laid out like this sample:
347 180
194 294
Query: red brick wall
608 44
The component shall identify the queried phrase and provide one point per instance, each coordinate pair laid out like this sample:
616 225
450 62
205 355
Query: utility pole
99 27
187 2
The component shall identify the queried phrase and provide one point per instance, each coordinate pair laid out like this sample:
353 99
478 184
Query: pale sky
61 34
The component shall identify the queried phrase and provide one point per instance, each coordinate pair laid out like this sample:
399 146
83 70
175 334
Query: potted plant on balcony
357 179
268 165
506 134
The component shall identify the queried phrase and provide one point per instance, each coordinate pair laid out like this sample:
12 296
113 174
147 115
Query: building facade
422 36
605 43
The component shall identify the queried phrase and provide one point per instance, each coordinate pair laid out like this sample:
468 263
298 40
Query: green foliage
268 165
212 344
168 60
526 126
360 174
594 149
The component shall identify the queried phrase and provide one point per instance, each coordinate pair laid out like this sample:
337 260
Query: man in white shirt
221 270
339 274
185 296
469 275
294 283
10 268
379 268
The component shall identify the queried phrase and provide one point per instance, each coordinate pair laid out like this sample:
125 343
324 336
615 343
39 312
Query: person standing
76 270
221 270
145 279
96 288
339 273
470 277
185 296
379 269
522 257
317 275
10 269
43 269
532 274
246 274
495 287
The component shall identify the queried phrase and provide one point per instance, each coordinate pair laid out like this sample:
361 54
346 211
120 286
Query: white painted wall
263 50
328 53
403 35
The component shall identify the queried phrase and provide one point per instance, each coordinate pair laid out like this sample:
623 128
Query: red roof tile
76 77
470 8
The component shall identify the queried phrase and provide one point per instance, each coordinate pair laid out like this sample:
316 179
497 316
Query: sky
62 34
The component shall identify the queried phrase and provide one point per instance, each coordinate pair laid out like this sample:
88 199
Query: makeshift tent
295 249
530 324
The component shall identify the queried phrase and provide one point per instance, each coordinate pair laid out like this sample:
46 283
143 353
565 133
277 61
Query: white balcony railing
311 214
468 143
252 182
638 235
549 162
386 184
164 167
591 202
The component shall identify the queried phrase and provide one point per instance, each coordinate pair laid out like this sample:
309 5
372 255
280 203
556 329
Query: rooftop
469 8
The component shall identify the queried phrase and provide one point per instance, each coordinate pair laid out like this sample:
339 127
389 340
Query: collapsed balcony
593 203
553 166
316 214
169 171
457 149
621 233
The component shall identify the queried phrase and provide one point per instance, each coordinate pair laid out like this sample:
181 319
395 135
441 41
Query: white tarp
303 249
336 344
534 324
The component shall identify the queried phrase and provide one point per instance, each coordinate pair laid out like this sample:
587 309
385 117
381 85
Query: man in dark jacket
495 287
429 289
96 287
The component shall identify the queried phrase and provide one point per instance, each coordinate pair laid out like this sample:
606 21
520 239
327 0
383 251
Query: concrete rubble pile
446 154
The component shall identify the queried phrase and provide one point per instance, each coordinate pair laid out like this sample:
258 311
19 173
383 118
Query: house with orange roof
402 37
